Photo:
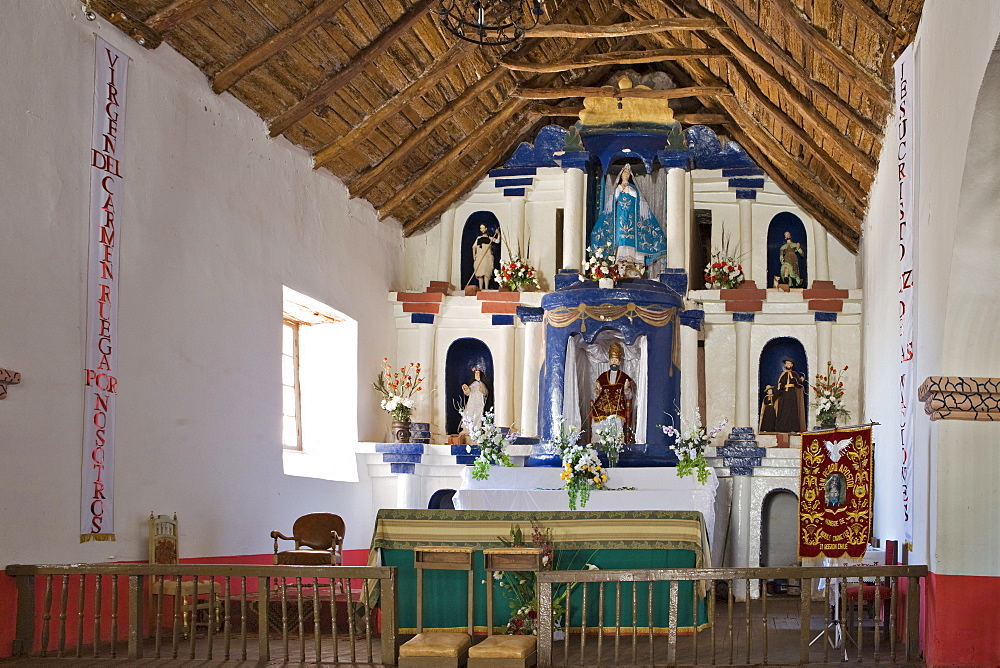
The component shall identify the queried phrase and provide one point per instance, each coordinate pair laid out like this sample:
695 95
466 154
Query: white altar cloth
539 488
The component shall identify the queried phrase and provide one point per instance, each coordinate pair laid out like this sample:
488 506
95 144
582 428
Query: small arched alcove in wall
442 500
786 255
779 529
771 365
464 356
487 255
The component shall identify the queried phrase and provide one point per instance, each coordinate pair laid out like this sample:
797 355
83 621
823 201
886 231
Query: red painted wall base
8 591
962 620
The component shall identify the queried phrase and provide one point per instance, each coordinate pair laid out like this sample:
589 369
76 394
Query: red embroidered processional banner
835 493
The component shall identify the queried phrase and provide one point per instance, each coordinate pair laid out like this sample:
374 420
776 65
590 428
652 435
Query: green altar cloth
607 539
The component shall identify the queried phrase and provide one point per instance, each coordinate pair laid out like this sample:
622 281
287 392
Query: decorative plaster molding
961 398
8 377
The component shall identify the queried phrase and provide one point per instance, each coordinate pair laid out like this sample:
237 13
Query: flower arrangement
521 584
723 271
600 263
582 470
397 388
690 446
829 391
516 274
491 442
610 440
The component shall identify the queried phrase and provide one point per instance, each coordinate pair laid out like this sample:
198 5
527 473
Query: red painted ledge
962 617
420 296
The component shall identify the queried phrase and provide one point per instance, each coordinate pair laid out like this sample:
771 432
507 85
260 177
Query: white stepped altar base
539 488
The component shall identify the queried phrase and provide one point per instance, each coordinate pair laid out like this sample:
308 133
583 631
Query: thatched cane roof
410 117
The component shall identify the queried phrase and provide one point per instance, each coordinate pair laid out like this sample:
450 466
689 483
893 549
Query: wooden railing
827 623
223 612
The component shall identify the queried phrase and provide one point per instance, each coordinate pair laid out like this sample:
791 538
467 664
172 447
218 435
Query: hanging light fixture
489 22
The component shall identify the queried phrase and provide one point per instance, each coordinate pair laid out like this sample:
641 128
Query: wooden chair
321 533
207 595
867 592
506 651
438 650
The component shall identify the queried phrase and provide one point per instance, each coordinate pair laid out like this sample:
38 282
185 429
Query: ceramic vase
606 282
400 432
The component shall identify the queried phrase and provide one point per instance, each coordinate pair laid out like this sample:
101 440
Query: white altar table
539 488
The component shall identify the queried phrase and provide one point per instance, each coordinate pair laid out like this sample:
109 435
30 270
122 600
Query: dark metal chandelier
489 22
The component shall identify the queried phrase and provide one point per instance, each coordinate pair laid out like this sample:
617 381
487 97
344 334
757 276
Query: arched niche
469 234
779 529
464 355
770 366
586 360
442 499
781 223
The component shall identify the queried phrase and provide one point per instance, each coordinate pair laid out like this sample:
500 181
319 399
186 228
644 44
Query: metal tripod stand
836 623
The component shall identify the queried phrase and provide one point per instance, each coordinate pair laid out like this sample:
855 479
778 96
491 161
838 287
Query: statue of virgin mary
627 223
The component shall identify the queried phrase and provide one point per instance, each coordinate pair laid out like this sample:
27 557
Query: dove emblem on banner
834 448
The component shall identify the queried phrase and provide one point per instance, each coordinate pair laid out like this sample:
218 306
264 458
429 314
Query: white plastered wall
955 474
216 218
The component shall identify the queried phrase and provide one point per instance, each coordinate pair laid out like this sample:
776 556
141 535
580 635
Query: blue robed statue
627 223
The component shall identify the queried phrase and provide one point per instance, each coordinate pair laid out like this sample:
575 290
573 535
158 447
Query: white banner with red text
906 156
100 377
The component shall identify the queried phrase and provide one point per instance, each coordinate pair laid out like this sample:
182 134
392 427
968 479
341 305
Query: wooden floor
782 642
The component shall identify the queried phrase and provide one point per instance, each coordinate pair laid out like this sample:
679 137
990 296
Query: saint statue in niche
482 256
627 224
789 255
614 392
790 411
475 405
768 416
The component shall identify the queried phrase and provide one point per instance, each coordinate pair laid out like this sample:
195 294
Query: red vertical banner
100 377
835 493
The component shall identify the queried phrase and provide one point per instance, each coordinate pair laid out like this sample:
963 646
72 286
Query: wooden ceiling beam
870 17
764 147
769 48
441 162
367 180
573 111
426 177
850 185
176 13
143 35
558 110
343 76
836 170
752 60
701 119
276 43
481 133
838 57
610 91
839 228
618 58
433 75
485 164
363 183
621 29
784 163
